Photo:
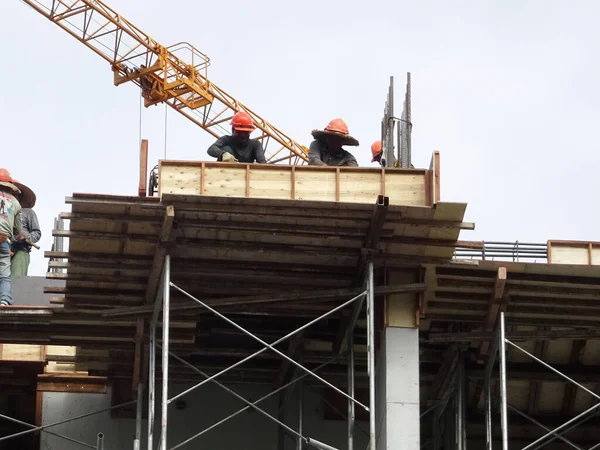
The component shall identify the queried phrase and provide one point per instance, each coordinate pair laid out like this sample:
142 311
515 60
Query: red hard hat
337 126
5 176
242 122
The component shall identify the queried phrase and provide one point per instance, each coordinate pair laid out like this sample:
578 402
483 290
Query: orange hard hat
337 126
242 122
376 147
5 176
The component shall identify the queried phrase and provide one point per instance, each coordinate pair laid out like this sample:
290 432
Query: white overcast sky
506 91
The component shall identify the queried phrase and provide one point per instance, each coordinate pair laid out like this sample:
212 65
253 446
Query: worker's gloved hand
228 157
22 236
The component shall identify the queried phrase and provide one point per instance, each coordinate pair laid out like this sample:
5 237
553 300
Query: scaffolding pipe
488 410
320 445
351 409
460 402
267 345
299 439
165 352
246 408
503 392
138 417
100 442
371 353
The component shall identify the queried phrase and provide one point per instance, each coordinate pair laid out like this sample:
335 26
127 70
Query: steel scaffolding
163 303
448 415
498 351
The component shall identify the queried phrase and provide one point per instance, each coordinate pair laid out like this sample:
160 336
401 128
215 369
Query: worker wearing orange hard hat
238 147
10 225
30 232
326 149
377 151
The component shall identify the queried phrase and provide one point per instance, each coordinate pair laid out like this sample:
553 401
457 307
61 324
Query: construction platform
274 264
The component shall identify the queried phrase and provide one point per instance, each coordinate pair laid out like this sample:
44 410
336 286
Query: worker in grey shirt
239 147
30 232
326 149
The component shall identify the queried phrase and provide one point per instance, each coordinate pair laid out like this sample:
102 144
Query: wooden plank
574 252
143 184
186 180
139 354
341 184
435 181
82 385
22 352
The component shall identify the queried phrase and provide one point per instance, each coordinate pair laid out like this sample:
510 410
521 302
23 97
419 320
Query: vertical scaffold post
351 413
488 406
461 408
371 352
165 351
299 439
138 417
503 392
100 441
152 379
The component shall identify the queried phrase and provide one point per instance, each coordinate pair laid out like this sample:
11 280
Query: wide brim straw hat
339 129
28 197
15 190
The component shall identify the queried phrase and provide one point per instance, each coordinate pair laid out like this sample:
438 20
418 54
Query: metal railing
503 251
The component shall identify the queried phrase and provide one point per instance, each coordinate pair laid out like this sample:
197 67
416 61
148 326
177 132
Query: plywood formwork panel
573 252
21 352
412 187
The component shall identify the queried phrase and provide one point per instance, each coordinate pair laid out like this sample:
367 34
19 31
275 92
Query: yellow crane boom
176 75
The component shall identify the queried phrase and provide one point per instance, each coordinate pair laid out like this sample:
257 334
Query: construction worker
326 149
10 225
239 147
30 232
377 151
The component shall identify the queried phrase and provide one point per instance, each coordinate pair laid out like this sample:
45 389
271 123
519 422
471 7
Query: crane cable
166 130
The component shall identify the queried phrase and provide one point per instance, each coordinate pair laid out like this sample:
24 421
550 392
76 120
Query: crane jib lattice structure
175 75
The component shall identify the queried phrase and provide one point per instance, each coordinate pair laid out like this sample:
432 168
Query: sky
506 91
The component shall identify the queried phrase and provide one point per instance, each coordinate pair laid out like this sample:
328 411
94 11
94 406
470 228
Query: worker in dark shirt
326 149
239 147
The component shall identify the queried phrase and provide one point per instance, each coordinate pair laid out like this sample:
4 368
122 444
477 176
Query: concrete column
398 371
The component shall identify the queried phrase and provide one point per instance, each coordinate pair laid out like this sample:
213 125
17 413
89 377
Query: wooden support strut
159 255
373 233
496 304
143 184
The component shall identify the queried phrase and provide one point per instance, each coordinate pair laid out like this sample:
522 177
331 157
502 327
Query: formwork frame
163 304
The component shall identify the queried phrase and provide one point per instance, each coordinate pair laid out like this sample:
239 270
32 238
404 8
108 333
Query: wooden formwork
574 252
410 187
